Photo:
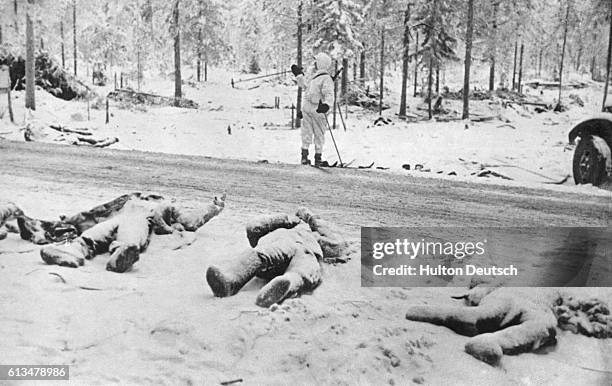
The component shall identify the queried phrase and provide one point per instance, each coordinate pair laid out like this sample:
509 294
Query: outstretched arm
192 219
301 81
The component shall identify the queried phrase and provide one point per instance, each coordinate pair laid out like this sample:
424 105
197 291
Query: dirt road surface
351 197
160 324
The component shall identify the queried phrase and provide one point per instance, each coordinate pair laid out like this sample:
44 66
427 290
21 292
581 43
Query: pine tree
438 44
335 33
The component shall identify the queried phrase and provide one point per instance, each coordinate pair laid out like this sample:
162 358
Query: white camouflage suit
319 88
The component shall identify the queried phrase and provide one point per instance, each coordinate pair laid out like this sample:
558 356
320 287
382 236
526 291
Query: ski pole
233 82
341 118
333 140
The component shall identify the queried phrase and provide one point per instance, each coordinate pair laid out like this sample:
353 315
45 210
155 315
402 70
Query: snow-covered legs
313 129
124 237
283 251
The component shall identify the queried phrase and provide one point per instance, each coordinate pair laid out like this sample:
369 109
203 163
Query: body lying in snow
8 211
509 320
122 227
287 250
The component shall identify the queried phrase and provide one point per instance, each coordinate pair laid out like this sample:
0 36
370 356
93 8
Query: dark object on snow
559 108
305 160
323 108
229 130
366 166
49 75
406 166
262 106
437 109
130 96
592 162
98 78
317 160
361 97
555 85
575 99
297 70
382 121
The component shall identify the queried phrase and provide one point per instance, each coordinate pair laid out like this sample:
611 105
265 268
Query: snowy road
351 197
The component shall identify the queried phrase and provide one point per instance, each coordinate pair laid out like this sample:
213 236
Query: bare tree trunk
0 34
416 64
199 44
520 73
362 66
74 45
402 108
493 48
593 57
298 122
30 102
429 87
178 93
541 55
16 23
345 65
334 107
382 69
514 66
199 67
563 51
62 44
74 37
138 69
608 62
354 70
468 60
579 57
438 78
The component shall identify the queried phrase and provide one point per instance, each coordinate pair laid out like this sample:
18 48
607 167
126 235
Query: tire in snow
592 161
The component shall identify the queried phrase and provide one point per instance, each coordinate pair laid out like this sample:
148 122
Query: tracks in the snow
349 196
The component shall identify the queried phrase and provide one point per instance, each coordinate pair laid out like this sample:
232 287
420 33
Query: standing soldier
319 95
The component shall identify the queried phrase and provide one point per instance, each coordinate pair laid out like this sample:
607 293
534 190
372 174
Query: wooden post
205 71
292 117
107 114
10 105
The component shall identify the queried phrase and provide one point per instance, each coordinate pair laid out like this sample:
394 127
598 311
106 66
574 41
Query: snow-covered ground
528 148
